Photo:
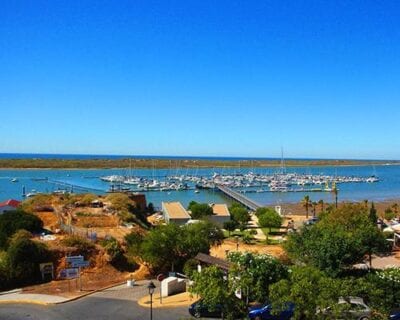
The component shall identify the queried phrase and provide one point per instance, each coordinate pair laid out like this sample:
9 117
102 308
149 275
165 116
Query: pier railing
248 203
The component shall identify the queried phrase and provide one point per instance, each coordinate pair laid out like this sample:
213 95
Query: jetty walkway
239 197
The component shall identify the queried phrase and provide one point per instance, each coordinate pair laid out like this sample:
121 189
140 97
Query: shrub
113 248
82 244
24 256
11 221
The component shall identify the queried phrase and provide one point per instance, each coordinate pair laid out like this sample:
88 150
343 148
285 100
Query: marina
262 185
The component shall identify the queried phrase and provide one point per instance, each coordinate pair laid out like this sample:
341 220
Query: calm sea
387 188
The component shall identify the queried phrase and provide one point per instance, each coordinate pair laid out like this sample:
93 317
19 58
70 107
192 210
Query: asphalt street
118 303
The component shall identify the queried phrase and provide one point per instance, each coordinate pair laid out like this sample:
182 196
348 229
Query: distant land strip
173 163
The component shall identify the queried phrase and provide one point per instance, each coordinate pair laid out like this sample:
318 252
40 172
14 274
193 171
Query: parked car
311 221
200 310
351 308
394 314
265 312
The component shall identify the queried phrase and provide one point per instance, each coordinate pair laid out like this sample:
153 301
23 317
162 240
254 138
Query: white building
220 213
174 212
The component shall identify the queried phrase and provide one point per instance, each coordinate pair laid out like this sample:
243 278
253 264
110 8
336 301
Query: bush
11 221
24 256
113 248
82 244
200 210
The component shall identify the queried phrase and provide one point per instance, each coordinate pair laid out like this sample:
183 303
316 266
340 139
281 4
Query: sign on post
72 259
69 273
46 269
80 264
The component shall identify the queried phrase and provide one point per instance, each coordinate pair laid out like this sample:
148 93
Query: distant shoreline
140 163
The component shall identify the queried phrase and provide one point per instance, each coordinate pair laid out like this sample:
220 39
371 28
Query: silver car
350 308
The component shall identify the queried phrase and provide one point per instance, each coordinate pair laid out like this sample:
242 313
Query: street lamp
151 288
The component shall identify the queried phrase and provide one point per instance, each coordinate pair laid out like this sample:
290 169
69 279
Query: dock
245 201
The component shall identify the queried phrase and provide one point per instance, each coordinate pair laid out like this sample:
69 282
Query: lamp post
151 288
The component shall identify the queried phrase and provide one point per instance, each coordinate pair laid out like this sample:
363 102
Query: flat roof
175 210
220 209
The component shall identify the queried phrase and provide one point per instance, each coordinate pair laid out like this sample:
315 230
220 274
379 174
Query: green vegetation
82 244
12 221
323 256
268 218
166 163
240 215
250 273
168 247
341 239
126 209
19 264
200 210
40 202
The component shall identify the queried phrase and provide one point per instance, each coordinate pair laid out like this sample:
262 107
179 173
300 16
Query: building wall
6 208
140 200
220 220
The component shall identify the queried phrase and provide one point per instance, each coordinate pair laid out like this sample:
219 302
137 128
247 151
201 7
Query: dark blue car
395 314
200 310
265 313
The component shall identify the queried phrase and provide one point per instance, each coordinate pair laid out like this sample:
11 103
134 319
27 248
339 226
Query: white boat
14 180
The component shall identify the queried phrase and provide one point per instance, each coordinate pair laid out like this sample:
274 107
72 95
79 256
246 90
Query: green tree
24 256
170 246
322 204
341 239
306 203
240 214
161 246
270 219
373 216
309 289
389 214
255 273
230 226
11 221
113 248
215 290
200 210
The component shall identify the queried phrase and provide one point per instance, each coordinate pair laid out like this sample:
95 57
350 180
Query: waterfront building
174 212
9 205
220 213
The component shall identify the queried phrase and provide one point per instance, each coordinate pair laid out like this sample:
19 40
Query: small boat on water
14 180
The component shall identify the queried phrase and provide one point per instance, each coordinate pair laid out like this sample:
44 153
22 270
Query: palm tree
321 203
314 208
335 192
306 202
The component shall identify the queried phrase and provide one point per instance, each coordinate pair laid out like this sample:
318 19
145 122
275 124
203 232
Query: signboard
80 264
69 273
46 269
72 259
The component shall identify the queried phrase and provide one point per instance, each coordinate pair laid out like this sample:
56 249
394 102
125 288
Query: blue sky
220 78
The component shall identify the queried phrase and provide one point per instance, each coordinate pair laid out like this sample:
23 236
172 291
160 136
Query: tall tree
321 203
270 219
306 202
373 217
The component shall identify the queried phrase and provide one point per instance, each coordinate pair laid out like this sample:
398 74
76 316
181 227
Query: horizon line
194 156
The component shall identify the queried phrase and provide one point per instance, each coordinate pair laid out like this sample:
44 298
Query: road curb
91 292
29 301
26 302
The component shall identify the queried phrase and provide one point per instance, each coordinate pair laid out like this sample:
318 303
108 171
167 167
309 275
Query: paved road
118 303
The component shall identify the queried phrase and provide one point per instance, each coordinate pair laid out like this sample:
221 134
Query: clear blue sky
221 78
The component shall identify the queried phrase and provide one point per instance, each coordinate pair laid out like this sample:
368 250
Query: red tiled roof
10 203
